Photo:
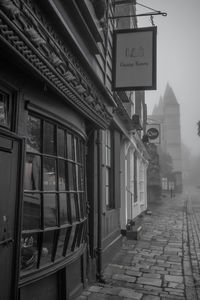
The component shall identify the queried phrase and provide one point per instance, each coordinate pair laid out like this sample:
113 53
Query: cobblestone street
163 263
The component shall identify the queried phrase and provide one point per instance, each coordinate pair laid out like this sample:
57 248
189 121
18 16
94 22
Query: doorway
11 153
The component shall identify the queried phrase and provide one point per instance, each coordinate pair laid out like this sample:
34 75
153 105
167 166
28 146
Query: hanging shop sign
134 59
153 133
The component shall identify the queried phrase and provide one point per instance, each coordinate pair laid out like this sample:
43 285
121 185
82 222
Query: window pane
50 210
61 241
29 251
47 247
74 244
64 213
34 134
67 238
70 146
4 107
71 239
84 235
49 138
31 211
82 205
107 196
49 177
78 150
78 206
62 175
61 142
108 157
82 152
73 205
71 176
80 233
32 176
107 176
108 138
81 178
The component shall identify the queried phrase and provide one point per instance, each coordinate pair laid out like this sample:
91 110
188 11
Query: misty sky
178 60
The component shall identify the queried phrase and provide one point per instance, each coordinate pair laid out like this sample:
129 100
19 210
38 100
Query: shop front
48 105
43 200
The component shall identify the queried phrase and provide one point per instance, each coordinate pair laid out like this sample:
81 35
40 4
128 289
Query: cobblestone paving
163 263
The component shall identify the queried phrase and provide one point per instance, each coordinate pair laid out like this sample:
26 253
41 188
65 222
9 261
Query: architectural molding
24 29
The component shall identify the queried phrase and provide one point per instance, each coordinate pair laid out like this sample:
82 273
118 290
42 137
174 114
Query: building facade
65 141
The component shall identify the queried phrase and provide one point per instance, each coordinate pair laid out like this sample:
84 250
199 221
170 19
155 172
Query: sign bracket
164 14
153 12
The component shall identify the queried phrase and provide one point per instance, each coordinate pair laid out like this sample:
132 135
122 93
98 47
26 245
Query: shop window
54 211
108 163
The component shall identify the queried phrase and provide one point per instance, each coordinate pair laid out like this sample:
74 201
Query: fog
178 61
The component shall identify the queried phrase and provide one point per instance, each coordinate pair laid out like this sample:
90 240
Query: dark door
10 162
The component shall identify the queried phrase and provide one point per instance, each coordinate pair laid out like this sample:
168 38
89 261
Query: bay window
54 210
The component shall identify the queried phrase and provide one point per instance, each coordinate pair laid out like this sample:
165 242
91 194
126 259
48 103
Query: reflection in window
71 176
29 251
62 175
47 247
64 213
50 210
31 211
61 143
49 138
49 175
77 150
32 177
80 178
70 146
73 206
34 134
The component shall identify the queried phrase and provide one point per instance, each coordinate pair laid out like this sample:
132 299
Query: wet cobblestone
164 264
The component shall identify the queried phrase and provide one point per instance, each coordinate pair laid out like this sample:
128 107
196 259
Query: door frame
18 207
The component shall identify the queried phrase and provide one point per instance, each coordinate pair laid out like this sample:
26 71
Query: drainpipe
99 199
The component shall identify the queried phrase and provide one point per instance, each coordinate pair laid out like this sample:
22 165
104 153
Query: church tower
168 111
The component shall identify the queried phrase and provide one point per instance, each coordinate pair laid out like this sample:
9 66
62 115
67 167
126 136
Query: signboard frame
150 59
157 126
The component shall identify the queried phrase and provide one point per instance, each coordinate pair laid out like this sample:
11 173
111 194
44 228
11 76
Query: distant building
167 113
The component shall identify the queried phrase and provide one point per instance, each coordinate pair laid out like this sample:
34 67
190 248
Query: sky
178 61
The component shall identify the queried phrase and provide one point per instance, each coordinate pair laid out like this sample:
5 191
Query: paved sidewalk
163 264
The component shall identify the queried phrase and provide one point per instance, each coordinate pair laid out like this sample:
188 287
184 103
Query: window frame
78 224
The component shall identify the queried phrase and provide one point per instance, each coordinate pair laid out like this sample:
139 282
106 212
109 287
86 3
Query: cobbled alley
163 263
